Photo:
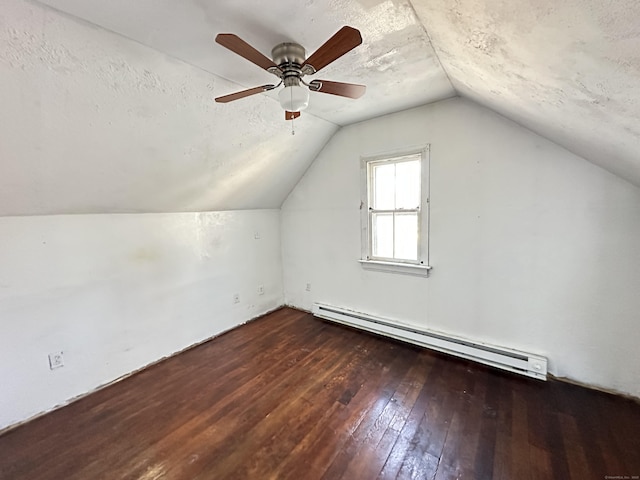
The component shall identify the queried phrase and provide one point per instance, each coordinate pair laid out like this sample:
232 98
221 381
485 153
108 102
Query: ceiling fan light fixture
294 98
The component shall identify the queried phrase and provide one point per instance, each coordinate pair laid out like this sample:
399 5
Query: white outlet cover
236 298
56 360
260 290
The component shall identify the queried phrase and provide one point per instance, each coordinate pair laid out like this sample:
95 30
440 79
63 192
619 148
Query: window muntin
394 204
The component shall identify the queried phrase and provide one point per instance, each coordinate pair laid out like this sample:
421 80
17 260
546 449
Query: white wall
532 247
117 292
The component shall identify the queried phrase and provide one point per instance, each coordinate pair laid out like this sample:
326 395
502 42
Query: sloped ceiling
568 70
108 106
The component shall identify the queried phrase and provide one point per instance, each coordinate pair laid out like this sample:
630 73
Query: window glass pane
384 186
407 184
382 235
406 236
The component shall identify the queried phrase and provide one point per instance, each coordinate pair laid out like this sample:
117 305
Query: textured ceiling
395 61
568 70
108 105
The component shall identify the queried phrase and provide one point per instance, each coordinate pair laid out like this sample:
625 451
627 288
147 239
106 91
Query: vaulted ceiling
108 106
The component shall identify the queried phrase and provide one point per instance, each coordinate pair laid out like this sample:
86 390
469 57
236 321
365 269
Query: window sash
373 211
394 258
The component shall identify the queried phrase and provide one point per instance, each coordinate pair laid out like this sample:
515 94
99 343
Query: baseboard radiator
507 359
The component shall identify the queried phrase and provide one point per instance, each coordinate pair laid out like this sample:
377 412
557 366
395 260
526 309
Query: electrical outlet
56 360
236 298
260 289
256 235
308 287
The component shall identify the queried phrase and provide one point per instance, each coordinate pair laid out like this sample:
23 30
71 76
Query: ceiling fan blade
290 115
346 39
350 90
242 48
244 93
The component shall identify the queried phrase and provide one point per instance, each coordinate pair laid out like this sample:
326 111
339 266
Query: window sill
392 267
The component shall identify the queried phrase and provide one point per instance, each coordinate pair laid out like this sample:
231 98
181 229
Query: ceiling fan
289 64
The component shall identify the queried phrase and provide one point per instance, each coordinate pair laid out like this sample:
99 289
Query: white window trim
393 267
421 267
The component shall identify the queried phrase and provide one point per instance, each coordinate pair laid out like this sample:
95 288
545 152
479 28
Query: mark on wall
146 255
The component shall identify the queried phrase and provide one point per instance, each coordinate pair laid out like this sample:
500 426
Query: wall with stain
532 247
117 292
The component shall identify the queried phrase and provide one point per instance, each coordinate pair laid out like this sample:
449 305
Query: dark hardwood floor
292 397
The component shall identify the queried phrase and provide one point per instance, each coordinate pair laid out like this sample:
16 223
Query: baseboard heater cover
528 364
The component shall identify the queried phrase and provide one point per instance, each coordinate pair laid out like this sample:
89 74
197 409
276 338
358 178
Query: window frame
420 266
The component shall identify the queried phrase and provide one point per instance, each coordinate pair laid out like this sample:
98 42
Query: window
395 220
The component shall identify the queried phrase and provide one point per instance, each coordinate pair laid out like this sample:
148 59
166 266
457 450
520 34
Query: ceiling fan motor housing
288 54
289 57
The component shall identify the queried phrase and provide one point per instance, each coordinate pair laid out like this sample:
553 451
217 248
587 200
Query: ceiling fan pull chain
293 132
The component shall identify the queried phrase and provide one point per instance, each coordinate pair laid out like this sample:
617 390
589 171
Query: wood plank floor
292 397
